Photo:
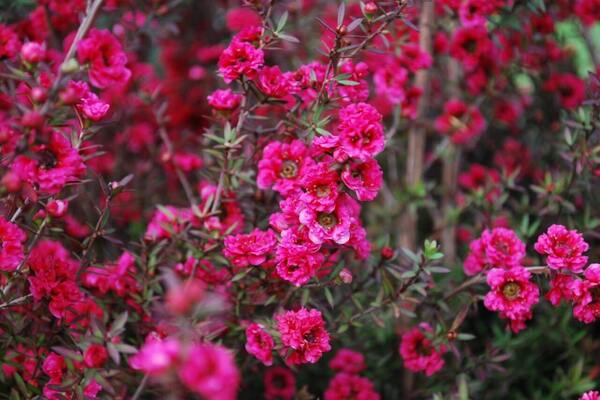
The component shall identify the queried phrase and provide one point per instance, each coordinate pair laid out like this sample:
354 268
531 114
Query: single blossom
303 335
418 352
253 248
259 343
563 248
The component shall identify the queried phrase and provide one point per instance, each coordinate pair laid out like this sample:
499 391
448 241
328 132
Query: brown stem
416 134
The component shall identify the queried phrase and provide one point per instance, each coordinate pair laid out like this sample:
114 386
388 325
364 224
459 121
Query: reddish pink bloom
588 11
335 225
320 187
11 245
419 353
106 58
54 366
118 277
298 259
259 343
93 108
360 131
356 92
184 297
348 361
272 82
561 288
249 249
187 162
460 122
95 356
240 59
473 12
224 100
503 248
469 44
570 89
156 356
240 18
563 248
165 222
480 178
591 395
33 52
587 295
60 164
346 386
57 208
282 165
304 335
9 42
280 384
391 81
364 178
512 294
210 371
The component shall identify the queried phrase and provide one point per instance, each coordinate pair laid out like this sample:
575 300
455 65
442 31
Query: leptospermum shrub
299 199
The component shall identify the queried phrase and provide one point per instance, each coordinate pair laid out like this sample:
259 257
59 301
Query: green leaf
329 297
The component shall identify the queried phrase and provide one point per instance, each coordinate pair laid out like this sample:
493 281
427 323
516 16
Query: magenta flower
460 122
303 335
280 384
348 361
346 386
240 59
11 245
563 248
360 131
512 294
224 100
503 248
249 249
156 356
587 295
210 371
419 353
106 58
591 395
320 187
259 343
364 178
282 165
335 225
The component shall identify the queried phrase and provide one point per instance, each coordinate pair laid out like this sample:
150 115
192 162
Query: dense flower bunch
299 199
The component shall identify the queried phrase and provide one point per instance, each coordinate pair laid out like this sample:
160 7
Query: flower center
423 349
47 159
327 220
322 191
511 290
289 169
309 337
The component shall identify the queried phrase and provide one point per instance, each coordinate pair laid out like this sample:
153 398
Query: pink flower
419 353
360 131
591 395
259 343
349 361
512 294
95 356
272 82
587 295
460 122
9 42
51 265
357 92
249 249
298 259
364 178
93 108
320 187
335 225
240 59
476 259
224 100
118 277
210 371
240 18
54 366
57 208
346 386
11 245
570 89
165 222
563 248
469 44
282 165
106 58
303 335
503 248
561 287
156 356
33 52
391 81
60 164
280 384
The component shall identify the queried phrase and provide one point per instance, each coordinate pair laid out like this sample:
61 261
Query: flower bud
32 119
346 276
57 208
370 9
39 94
387 253
33 52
